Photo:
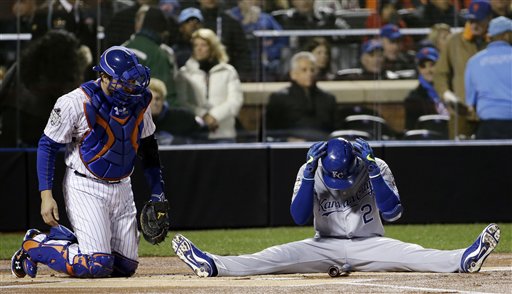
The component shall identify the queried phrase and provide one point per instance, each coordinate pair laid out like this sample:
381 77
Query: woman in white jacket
210 86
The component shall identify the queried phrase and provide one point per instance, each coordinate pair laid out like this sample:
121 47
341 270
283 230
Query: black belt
99 180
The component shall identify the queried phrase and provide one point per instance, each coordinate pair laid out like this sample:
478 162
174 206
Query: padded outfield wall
250 185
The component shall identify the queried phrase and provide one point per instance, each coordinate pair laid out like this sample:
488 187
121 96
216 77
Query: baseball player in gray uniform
103 125
347 195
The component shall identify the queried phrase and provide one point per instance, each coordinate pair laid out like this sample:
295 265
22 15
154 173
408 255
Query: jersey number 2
367 210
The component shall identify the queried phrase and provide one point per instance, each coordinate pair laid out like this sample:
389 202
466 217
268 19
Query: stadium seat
422 134
350 135
376 126
434 122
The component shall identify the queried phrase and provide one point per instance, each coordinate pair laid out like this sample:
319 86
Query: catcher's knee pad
96 265
53 255
123 266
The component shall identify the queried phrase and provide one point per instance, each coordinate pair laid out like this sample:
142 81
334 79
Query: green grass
240 241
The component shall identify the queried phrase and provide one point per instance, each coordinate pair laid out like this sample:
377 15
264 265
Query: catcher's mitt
154 221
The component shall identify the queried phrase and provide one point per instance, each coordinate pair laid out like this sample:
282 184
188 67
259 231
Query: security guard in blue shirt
488 82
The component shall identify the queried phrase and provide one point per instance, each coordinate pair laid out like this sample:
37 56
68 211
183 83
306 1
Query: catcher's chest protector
109 148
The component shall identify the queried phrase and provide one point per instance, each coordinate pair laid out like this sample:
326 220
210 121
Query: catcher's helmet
340 164
129 77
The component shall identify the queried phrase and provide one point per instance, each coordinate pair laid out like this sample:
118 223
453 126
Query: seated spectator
394 57
302 111
148 44
303 16
189 20
372 62
488 82
265 52
438 37
424 99
170 8
173 125
321 49
231 34
24 114
439 11
210 87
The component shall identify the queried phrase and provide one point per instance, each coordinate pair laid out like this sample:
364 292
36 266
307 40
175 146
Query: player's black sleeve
148 152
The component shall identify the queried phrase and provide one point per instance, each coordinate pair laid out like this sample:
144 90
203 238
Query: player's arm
301 208
386 197
148 152
46 152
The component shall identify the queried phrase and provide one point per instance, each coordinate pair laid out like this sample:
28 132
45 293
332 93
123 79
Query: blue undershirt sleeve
46 153
388 201
301 208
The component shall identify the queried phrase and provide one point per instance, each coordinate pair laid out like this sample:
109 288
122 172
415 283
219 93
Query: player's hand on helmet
49 208
315 152
154 219
365 152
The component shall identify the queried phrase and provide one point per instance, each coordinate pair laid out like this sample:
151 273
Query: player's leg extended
125 234
386 254
310 255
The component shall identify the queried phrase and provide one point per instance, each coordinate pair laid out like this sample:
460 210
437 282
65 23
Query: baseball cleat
21 265
475 255
196 259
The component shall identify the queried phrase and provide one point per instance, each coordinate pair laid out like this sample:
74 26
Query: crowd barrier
250 185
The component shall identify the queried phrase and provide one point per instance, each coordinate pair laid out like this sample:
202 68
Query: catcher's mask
128 78
340 164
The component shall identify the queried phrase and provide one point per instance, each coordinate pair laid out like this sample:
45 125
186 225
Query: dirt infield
170 275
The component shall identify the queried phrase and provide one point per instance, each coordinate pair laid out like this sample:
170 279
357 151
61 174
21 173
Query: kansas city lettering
328 206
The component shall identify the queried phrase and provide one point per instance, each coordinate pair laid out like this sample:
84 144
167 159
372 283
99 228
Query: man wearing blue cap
394 58
488 81
449 75
371 60
424 99
189 20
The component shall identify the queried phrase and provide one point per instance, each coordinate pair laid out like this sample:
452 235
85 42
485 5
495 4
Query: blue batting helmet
129 78
340 164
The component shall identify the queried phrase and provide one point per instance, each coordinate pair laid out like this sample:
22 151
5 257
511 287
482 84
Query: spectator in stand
66 15
122 24
230 31
424 99
57 53
174 125
394 58
449 74
501 8
149 46
302 111
372 62
439 11
438 37
321 49
303 16
488 81
210 87
265 52
190 20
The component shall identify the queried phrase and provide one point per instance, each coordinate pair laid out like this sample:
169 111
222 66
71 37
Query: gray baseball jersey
348 230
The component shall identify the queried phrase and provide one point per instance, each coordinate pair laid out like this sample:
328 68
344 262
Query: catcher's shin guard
55 254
